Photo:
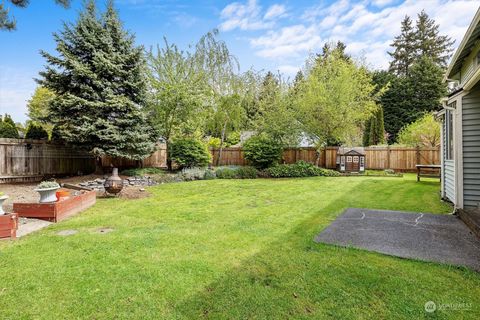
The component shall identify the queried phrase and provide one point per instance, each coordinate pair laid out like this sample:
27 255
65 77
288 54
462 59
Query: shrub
214 142
232 139
8 131
188 153
226 173
36 132
190 174
299 169
262 152
246 173
142 172
48 185
209 174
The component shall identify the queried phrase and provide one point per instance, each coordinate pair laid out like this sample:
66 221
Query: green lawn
232 249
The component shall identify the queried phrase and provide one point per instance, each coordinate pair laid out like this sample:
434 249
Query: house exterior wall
471 147
469 66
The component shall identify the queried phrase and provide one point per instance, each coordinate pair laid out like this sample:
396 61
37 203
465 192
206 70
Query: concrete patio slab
422 236
27 226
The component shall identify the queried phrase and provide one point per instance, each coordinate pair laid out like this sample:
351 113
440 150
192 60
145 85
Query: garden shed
351 159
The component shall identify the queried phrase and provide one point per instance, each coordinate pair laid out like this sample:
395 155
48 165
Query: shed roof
359 151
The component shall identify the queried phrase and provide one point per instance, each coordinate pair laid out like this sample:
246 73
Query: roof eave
461 47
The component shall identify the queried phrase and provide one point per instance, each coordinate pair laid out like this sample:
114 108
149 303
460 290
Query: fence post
388 157
418 154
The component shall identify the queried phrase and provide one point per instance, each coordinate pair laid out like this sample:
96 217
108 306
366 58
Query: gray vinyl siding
471 148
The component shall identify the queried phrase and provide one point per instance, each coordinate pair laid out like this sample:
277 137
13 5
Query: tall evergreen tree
428 88
413 43
98 78
374 133
429 43
404 52
8 128
8 23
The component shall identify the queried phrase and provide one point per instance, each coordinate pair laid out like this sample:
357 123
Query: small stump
8 225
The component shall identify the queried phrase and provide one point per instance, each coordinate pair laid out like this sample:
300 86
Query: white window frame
450 133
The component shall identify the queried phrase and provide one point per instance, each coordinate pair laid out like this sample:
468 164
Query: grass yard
232 249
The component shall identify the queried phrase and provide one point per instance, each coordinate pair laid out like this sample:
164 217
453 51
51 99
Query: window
349 159
449 133
362 161
355 159
342 160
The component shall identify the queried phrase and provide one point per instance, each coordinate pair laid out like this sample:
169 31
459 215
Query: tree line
106 94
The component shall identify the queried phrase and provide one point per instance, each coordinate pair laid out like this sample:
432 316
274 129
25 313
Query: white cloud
287 42
367 30
248 16
243 16
288 70
275 11
381 3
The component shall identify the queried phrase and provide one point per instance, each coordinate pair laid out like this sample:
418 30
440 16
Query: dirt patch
24 192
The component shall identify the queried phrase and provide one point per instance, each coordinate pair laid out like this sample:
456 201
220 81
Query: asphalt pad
413 235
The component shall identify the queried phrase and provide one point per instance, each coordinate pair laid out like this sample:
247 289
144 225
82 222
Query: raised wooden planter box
56 211
8 225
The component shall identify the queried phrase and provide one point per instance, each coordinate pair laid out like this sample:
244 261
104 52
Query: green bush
36 132
136 172
214 142
188 153
299 169
262 152
209 174
247 173
232 139
190 174
226 173
8 131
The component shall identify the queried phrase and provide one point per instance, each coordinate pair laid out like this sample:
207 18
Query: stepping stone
27 226
104 230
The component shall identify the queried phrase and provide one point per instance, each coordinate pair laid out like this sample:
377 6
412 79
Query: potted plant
47 191
2 199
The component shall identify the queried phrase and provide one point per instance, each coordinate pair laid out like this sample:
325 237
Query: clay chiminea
113 184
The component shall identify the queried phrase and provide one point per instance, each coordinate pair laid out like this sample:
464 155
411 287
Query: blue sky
266 35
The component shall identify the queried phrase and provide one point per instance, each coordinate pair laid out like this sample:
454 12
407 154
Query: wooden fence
158 160
396 158
24 160
32 159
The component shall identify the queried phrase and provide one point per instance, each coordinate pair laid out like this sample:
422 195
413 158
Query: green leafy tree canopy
424 132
